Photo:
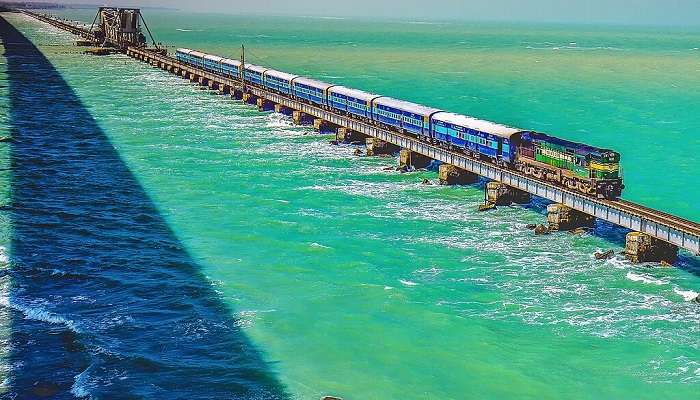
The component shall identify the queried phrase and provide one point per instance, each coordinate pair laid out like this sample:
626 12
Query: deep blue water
105 299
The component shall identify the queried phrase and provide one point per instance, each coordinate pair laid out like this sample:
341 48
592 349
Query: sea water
343 277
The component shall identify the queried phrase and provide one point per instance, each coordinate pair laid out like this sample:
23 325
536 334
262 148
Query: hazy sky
661 12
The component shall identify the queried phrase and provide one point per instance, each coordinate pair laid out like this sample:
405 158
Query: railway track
690 227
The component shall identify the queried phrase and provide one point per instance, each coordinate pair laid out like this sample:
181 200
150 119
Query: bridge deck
681 232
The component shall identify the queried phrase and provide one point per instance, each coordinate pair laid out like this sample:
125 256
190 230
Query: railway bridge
655 236
112 27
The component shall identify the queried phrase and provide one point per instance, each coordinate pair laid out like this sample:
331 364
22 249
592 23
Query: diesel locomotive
578 167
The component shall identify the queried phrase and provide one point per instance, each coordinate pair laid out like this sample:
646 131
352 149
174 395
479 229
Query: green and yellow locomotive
576 166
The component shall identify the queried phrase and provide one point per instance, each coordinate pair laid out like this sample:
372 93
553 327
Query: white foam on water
645 278
619 263
79 388
688 295
34 313
3 255
320 246
407 283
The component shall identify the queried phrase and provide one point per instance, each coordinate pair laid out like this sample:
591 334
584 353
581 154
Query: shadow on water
105 301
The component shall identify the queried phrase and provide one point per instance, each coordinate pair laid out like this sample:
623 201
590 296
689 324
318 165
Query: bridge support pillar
377 146
640 247
236 94
203 81
250 98
564 218
193 77
325 127
224 89
281 109
264 104
411 159
500 194
301 118
347 135
452 175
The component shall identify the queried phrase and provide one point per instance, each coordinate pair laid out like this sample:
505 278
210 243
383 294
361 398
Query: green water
363 283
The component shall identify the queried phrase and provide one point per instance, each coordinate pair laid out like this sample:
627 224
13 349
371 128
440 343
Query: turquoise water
355 281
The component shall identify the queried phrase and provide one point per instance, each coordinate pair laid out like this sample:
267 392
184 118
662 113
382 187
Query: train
576 166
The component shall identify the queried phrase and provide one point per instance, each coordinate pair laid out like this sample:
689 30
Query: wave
424 23
407 283
688 295
35 313
575 48
79 388
645 278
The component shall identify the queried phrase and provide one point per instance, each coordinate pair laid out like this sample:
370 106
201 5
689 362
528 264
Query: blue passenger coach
255 74
311 90
212 63
231 68
191 57
351 101
279 81
489 139
183 56
411 117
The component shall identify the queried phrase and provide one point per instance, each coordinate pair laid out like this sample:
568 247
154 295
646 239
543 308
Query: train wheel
570 184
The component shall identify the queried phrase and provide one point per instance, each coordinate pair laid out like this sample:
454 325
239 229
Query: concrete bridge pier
411 159
264 104
452 175
561 217
213 85
347 135
282 109
250 98
236 94
500 194
640 247
203 81
324 127
224 89
377 146
301 118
